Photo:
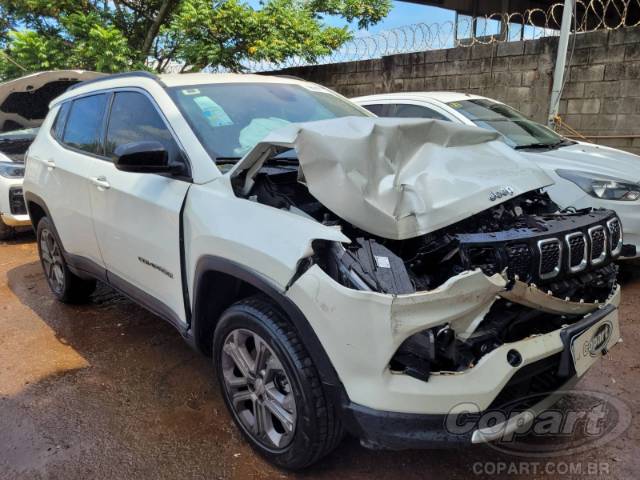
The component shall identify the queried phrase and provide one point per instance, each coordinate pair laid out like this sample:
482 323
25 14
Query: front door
136 215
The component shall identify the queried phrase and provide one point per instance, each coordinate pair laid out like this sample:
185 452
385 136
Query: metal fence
467 31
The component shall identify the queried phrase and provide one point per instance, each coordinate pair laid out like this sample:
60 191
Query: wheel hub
253 380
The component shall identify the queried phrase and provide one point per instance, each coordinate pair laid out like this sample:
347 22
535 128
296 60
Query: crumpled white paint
400 178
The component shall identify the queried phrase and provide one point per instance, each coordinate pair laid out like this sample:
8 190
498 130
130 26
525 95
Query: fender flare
30 197
210 263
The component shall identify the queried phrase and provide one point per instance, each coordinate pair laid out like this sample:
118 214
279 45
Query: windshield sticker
455 105
213 112
190 91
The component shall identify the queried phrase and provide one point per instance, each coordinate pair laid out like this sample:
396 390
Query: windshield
230 119
518 131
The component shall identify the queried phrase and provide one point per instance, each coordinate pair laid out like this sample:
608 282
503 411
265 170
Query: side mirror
144 157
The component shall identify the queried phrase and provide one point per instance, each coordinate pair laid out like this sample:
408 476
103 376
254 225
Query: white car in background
585 175
24 102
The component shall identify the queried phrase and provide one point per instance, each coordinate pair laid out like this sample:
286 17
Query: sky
401 14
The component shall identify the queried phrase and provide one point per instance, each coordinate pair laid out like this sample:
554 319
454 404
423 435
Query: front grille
550 256
567 246
519 260
16 201
615 235
598 244
577 246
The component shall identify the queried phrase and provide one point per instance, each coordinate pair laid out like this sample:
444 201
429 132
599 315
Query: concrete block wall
601 96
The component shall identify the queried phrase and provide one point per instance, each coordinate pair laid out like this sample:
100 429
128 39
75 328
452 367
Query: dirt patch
107 390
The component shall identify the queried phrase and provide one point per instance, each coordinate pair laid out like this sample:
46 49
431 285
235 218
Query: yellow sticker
455 105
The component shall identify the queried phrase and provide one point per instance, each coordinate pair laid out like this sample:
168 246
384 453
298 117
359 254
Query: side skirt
86 268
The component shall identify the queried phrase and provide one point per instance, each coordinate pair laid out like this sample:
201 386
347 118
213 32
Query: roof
444 97
184 79
148 80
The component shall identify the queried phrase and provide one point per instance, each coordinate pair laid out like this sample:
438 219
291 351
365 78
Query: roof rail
138 73
290 77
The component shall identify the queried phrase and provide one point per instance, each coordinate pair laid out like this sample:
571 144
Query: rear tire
65 285
263 367
6 232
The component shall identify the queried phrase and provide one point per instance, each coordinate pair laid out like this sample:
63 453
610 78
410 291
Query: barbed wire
466 31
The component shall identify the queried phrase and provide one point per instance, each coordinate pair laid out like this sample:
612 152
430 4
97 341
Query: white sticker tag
191 91
382 262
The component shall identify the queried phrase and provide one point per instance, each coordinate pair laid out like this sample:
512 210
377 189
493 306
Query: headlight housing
603 186
11 170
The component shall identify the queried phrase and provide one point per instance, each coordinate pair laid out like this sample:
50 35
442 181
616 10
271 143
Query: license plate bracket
587 340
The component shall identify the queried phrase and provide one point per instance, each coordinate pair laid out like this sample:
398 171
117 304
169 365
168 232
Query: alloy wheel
258 389
52 261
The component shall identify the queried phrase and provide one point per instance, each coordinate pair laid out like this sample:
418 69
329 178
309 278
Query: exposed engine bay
15 144
525 237
567 254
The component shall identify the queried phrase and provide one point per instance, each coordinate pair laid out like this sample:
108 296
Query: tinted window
518 130
133 119
375 109
417 111
61 119
84 125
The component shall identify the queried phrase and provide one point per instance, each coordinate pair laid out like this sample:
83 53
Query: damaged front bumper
362 331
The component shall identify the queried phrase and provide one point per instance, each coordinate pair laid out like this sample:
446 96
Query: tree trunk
163 12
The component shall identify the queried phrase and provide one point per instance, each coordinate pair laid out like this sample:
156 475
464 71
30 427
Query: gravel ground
107 390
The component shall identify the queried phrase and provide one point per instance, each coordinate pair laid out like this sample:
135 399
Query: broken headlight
11 170
602 186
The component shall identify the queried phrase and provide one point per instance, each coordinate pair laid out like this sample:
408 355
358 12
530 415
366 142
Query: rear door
136 215
65 168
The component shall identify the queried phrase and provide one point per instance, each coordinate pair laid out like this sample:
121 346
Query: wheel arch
36 208
220 282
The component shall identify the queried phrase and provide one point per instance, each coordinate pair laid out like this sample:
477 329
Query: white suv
350 273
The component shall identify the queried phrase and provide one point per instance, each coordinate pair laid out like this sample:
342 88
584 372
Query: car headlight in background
603 186
11 170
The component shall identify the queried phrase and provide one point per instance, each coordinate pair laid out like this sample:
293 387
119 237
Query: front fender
269 241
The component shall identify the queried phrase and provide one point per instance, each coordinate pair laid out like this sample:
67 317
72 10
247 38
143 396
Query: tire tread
330 430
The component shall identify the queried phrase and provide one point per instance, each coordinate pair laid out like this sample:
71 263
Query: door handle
101 182
50 164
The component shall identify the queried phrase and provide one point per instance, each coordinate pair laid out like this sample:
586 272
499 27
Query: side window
133 118
377 109
84 125
417 111
57 129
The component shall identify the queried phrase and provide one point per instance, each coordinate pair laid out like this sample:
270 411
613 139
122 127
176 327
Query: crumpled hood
400 178
590 158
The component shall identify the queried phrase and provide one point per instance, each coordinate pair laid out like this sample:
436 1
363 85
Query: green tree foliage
116 35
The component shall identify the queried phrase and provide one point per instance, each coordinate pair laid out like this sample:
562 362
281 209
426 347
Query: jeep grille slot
615 235
598 238
578 254
550 251
519 260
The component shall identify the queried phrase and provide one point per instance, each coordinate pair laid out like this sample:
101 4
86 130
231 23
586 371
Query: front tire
65 285
271 386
